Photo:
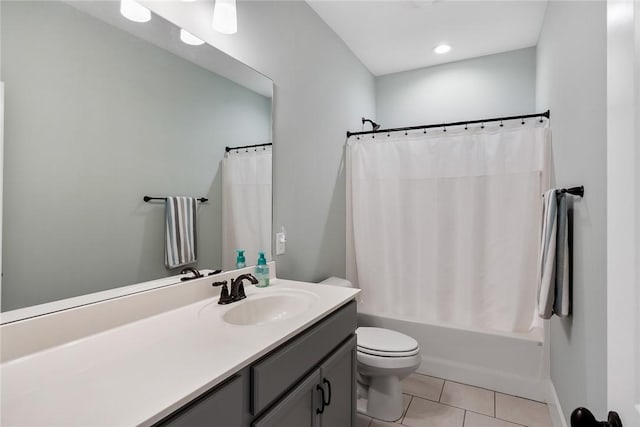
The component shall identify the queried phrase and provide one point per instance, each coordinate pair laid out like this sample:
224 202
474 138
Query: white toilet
385 358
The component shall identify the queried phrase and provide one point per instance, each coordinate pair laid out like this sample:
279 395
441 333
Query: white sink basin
265 307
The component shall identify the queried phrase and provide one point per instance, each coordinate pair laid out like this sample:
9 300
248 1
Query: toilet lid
384 342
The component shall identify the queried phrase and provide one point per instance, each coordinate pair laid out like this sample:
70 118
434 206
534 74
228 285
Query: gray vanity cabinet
325 398
308 381
298 408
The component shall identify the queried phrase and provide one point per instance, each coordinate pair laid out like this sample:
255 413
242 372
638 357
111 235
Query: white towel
180 239
553 289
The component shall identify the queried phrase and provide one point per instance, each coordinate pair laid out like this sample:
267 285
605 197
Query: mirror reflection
101 111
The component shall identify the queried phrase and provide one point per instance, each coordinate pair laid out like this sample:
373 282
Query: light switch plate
281 243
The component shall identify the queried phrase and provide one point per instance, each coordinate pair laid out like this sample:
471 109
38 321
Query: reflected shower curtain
246 205
445 227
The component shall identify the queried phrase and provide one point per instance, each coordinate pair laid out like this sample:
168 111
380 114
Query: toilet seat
388 353
385 343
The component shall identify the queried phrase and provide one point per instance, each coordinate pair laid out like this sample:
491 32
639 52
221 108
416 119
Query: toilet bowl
385 358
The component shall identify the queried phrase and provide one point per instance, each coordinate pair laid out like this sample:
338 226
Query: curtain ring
482 125
444 128
466 126
358 137
424 131
541 121
501 125
406 133
522 122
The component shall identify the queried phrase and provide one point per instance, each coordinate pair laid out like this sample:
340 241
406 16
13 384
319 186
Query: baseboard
530 388
557 416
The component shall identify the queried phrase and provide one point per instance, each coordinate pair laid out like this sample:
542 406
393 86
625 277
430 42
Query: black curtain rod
227 149
148 198
546 114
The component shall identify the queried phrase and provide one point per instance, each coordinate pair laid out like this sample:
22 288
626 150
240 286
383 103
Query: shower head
373 124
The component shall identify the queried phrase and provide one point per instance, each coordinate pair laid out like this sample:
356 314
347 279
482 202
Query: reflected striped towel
180 239
553 289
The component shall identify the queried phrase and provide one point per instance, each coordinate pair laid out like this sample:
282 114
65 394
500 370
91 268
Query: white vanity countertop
138 373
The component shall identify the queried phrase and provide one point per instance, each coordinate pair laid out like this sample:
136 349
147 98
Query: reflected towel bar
148 198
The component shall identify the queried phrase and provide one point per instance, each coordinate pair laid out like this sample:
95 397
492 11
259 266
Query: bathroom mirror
99 112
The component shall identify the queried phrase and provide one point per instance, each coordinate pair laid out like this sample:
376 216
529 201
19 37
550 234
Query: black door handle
328 383
582 417
321 410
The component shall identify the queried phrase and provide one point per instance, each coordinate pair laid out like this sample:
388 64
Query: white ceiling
398 35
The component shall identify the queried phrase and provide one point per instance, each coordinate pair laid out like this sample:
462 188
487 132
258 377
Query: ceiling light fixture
442 48
134 11
189 38
225 18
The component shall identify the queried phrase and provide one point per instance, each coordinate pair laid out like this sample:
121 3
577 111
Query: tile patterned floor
434 402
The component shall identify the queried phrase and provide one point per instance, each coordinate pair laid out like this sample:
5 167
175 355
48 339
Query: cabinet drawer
220 406
279 371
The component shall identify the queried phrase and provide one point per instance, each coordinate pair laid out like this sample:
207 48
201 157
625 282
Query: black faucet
186 270
237 289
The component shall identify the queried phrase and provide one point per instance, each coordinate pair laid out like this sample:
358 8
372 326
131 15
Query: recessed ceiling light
443 48
134 11
189 38
225 20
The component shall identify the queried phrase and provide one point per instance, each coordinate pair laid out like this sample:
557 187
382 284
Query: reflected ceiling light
442 48
189 38
134 11
225 20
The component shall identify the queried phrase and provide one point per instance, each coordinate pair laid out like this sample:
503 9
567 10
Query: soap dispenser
262 271
240 261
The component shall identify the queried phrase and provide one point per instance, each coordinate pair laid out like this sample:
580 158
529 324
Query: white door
623 209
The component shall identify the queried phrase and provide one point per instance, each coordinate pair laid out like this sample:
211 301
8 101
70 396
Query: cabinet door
339 383
221 406
298 408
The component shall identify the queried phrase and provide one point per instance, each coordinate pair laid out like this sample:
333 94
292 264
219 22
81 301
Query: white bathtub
513 363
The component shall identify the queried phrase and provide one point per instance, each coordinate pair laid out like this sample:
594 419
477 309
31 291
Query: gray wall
321 91
489 86
95 119
571 81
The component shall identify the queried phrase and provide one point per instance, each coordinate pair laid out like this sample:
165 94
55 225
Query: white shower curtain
246 205
445 227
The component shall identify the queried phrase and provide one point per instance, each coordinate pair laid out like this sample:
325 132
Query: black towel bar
148 198
576 191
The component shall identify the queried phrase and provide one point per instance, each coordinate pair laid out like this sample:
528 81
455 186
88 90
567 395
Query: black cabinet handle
328 383
321 410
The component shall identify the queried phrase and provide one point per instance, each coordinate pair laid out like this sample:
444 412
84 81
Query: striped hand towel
181 225
553 289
